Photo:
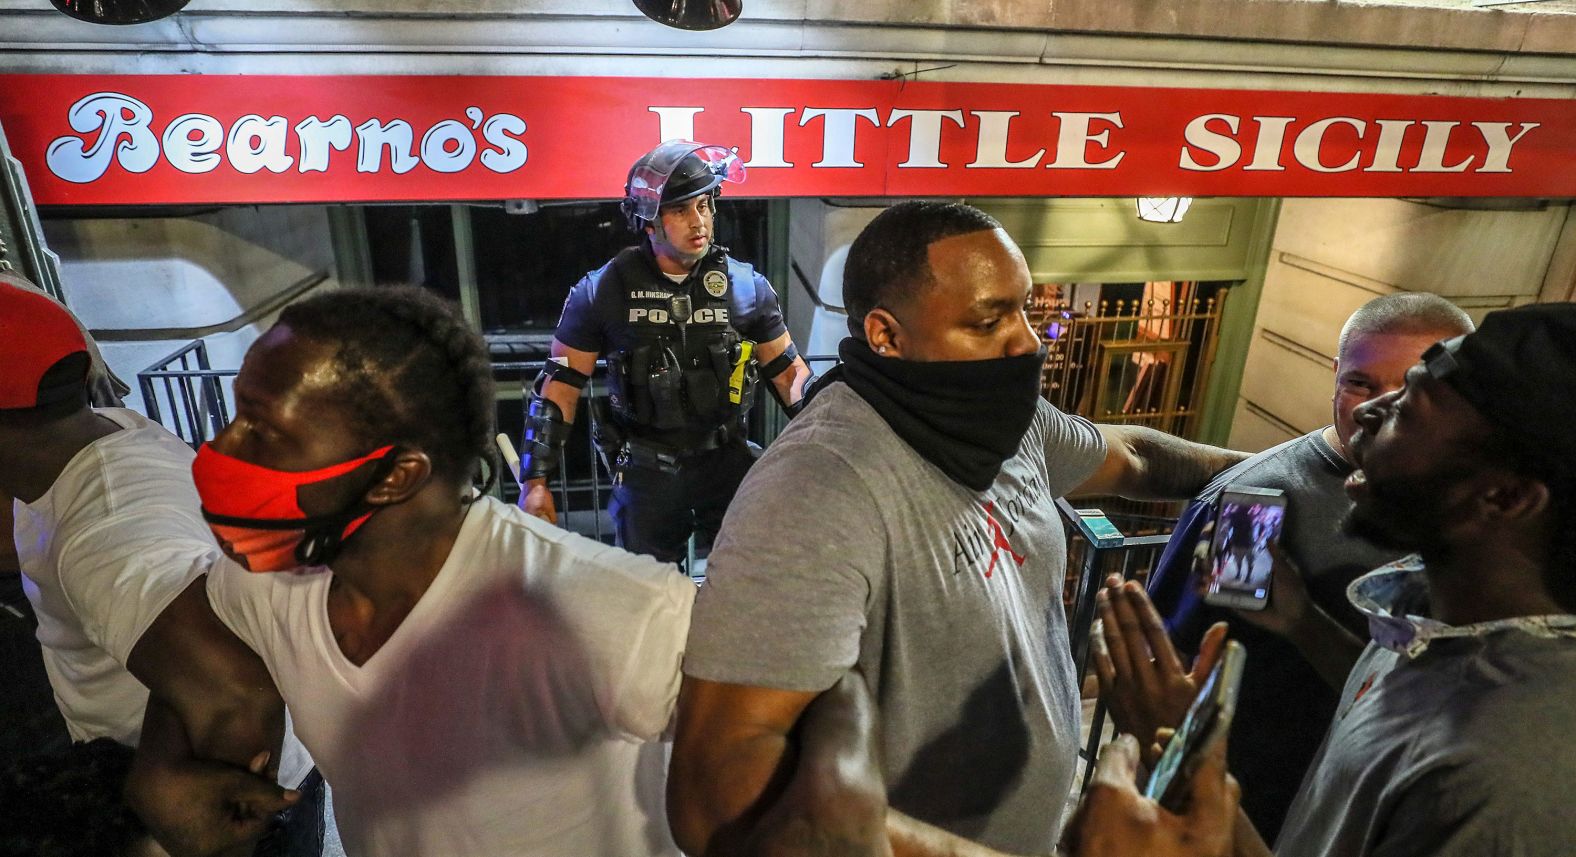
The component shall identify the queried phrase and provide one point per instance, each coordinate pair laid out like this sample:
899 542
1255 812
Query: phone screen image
1249 521
1207 720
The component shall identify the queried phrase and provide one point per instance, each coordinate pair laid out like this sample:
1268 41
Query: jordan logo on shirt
999 540
979 549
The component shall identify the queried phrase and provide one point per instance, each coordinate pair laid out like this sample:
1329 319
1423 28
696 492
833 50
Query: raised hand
1142 679
1289 602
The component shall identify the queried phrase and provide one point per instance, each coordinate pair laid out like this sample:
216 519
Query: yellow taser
736 380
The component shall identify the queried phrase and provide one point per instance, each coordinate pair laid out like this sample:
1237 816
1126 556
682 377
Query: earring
881 350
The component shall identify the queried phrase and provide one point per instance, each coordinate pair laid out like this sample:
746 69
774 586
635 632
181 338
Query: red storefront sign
168 139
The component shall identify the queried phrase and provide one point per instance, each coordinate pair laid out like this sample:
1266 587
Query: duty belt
668 458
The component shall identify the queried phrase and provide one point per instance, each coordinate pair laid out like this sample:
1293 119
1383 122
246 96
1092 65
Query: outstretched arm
1324 642
1142 463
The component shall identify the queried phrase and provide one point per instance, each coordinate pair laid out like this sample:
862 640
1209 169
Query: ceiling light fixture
1163 209
119 11
691 14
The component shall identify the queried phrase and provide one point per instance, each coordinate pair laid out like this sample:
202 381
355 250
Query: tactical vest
686 369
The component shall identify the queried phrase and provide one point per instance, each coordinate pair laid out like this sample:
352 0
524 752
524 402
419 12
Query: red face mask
255 512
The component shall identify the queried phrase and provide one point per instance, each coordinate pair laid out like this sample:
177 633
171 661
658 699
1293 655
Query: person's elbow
687 798
731 759
716 783
240 717
1121 471
700 764
838 808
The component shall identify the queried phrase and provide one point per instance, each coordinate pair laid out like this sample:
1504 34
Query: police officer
688 332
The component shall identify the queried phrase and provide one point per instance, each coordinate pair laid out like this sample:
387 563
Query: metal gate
1143 360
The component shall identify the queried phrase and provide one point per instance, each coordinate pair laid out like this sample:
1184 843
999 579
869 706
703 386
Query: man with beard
687 330
930 466
1285 705
1450 736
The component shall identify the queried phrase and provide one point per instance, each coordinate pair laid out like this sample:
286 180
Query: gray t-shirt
1313 475
845 547
1464 751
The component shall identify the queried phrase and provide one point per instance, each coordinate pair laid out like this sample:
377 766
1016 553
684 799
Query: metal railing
185 394
1097 548
1139 362
820 363
192 395
585 521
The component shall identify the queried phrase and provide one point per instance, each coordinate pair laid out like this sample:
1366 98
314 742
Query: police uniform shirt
599 319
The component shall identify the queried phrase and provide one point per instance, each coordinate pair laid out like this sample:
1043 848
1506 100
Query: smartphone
1248 521
1207 721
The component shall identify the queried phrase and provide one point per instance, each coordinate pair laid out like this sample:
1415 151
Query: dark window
526 263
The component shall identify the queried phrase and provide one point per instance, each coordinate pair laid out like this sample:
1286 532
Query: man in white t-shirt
515 710
112 549
470 680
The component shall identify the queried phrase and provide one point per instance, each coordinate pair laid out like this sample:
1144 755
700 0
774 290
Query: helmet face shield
673 172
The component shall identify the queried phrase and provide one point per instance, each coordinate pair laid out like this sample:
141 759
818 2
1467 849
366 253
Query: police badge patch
716 283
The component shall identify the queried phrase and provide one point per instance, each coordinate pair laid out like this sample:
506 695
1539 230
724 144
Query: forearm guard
546 431
780 364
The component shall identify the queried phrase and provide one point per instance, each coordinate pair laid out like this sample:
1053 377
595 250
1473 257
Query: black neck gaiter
966 417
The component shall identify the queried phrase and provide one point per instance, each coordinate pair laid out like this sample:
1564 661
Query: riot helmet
673 172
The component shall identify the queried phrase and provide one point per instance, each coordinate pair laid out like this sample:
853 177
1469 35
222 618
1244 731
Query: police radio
680 309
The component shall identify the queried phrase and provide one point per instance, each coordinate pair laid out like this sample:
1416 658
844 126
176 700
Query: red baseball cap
43 357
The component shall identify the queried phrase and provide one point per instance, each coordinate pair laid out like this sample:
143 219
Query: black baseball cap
1518 369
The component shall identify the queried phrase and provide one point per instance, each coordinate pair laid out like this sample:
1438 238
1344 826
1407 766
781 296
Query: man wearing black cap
1452 733
688 331
114 550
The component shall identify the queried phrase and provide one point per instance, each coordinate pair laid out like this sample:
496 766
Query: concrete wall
1247 44
1548 27
1330 256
